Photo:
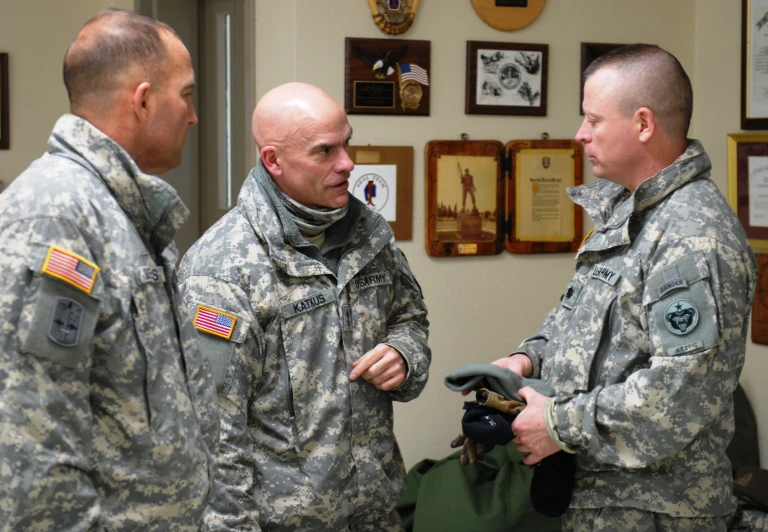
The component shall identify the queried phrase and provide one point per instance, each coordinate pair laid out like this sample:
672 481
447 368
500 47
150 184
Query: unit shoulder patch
70 268
214 321
681 317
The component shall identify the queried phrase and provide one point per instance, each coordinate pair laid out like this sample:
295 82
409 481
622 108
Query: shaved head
303 135
111 50
653 78
283 112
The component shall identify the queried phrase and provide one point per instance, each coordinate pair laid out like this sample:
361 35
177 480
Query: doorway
219 35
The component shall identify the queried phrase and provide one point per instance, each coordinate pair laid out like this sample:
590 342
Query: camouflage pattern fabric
302 446
647 344
633 520
108 418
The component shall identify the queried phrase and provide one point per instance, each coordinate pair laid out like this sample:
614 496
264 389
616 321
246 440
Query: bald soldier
647 344
107 409
314 324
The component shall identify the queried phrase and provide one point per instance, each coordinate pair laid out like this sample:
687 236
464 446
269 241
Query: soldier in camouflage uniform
108 417
647 344
314 324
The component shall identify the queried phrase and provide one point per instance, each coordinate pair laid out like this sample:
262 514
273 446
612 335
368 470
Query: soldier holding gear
646 347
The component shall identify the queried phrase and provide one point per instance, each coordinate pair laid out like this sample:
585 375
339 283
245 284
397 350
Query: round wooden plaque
508 18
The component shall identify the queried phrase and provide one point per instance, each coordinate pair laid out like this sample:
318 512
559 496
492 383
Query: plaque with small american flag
212 321
70 268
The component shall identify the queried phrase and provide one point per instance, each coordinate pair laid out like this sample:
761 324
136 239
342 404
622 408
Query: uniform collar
154 207
611 206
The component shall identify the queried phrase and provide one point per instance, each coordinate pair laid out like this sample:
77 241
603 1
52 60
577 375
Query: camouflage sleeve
46 420
535 346
660 410
233 361
408 329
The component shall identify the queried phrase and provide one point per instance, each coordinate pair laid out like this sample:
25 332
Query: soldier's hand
518 363
529 427
383 366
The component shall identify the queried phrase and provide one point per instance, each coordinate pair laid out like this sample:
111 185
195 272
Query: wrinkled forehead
325 128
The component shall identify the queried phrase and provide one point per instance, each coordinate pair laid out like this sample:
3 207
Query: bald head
287 109
653 78
112 50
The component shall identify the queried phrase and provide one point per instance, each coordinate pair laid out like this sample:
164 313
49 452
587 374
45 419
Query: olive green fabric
492 496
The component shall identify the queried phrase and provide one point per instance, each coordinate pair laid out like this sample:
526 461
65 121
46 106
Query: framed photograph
383 180
589 52
464 198
5 127
386 76
754 68
506 78
541 216
748 184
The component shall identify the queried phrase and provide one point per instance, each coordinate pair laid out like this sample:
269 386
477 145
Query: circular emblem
681 317
510 76
411 94
371 189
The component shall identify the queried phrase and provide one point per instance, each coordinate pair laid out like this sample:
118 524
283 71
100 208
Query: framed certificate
754 64
748 185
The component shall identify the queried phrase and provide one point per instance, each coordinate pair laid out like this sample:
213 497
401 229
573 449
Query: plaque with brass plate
508 15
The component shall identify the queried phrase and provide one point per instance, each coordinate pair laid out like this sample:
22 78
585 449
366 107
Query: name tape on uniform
213 321
308 303
604 274
71 268
370 280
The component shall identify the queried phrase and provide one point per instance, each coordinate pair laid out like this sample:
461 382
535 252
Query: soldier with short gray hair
314 325
107 409
647 344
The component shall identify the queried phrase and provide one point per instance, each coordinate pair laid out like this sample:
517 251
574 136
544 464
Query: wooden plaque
464 198
372 189
760 306
387 77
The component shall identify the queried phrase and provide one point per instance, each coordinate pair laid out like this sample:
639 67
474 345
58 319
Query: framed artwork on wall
748 185
5 127
589 52
383 180
754 67
483 197
506 78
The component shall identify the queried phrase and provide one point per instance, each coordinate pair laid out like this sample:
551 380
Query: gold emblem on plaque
410 95
393 16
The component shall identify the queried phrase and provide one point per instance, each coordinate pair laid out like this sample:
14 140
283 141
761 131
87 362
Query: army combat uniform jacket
647 344
302 446
107 408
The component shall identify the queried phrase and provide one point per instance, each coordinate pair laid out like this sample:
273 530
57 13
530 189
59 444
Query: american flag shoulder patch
213 321
70 268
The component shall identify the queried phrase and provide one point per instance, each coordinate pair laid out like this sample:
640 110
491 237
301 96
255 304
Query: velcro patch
70 268
369 280
674 284
681 317
213 321
604 274
571 294
318 299
685 348
66 322
151 274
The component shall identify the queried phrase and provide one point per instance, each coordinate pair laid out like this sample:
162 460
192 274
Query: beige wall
35 34
480 308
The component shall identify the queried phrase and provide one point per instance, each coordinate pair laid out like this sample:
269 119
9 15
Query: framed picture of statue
464 198
483 197
506 78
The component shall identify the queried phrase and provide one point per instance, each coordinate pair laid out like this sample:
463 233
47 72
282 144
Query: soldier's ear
269 158
645 122
140 101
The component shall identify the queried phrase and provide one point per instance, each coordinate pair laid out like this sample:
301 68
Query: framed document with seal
748 184
505 78
386 77
483 197
760 306
383 180
754 64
